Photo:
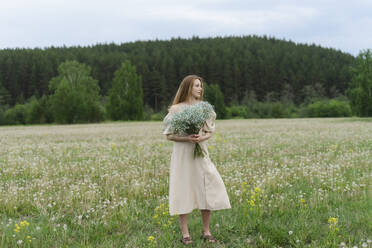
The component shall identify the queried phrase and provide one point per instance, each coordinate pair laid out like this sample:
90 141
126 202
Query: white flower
290 232
38 228
364 245
19 242
342 244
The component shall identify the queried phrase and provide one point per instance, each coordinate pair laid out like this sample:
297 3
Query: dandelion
290 232
151 239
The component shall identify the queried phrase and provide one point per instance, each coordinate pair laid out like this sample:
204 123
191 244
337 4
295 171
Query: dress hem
190 211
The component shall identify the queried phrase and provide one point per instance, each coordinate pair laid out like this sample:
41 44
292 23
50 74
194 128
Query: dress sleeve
166 129
209 125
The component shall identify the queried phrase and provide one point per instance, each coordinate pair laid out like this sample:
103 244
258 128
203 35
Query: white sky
344 25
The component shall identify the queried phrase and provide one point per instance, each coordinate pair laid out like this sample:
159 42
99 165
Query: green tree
360 88
125 98
75 95
5 97
214 96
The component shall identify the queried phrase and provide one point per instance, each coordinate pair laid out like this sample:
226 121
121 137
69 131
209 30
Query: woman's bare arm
194 138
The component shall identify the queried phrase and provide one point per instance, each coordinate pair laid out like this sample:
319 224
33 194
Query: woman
194 183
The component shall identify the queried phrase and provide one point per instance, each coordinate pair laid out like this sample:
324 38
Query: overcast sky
344 25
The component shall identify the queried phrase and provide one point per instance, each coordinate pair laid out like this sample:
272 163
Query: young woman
194 183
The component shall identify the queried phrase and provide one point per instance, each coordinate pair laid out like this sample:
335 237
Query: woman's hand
196 138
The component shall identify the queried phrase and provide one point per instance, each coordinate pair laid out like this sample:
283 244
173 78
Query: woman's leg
183 225
206 214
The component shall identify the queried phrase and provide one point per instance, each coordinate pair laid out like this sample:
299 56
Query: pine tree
5 97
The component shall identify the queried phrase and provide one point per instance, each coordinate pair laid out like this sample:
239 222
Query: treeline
137 81
239 65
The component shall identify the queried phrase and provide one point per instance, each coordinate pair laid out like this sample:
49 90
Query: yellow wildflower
257 189
332 220
151 238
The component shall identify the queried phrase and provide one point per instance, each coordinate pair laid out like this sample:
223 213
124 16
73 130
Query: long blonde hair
185 89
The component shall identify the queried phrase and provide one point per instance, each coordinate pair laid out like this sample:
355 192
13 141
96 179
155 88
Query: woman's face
197 89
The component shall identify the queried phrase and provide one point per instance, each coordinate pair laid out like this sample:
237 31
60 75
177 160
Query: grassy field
291 183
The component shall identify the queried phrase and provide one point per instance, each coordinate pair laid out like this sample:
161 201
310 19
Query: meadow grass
291 183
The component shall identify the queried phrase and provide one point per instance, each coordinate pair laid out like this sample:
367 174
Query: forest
264 69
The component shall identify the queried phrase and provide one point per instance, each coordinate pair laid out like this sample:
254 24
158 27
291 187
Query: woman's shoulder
175 107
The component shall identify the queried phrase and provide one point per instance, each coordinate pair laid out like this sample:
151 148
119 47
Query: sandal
210 238
186 240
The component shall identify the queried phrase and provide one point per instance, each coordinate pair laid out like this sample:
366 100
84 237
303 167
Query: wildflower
290 232
155 216
257 189
302 200
332 220
19 241
151 239
251 202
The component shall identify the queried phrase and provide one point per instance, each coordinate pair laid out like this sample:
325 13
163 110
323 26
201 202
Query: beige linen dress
194 183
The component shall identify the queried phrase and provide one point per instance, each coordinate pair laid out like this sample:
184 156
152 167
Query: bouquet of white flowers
190 120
